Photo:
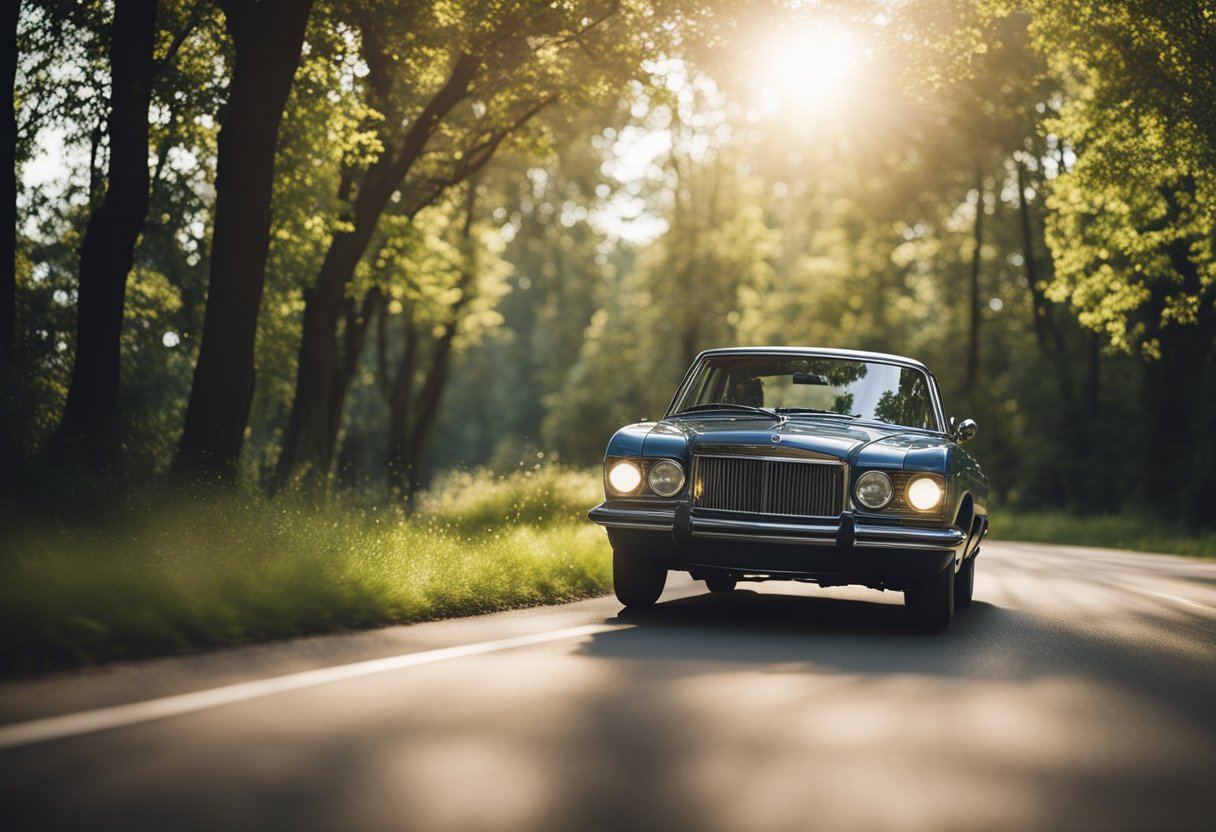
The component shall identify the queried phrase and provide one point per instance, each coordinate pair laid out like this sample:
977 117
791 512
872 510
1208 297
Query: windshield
797 384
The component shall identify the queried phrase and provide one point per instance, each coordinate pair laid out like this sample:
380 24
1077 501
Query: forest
347 247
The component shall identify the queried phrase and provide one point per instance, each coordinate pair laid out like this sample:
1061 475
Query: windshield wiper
731 406
817 411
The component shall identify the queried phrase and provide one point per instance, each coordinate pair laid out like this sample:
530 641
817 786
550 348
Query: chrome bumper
843 532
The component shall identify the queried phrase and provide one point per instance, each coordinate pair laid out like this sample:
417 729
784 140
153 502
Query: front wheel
636 579
931 602
721 583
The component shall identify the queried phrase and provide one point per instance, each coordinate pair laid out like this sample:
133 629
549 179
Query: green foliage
164 574
1064 150
1128 530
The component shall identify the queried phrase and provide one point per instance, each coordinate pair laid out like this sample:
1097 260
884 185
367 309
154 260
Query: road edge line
36 731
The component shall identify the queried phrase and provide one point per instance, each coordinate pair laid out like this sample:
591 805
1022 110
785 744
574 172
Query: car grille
764 485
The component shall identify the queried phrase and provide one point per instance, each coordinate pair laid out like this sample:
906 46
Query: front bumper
833 552
843 533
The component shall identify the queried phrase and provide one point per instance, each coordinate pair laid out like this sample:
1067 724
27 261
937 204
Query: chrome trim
658 519
807 460
759 531
870 537
699 523
766 538
730 492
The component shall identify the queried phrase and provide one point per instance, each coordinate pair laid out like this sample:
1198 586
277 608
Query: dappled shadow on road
985 642
1034 721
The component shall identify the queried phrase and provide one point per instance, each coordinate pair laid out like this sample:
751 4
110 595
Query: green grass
1112 531
180 574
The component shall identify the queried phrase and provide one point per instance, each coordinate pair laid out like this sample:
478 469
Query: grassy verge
1113 531
170 576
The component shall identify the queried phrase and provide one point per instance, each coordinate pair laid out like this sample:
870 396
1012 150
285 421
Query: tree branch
192 22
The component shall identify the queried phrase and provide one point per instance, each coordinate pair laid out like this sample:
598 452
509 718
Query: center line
86 722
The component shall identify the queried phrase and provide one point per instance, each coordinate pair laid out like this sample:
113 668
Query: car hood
867 443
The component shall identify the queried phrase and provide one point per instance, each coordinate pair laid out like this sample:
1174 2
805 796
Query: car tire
964 583
637 580
931 602
721 583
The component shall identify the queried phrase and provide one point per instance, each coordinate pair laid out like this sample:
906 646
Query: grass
1112 531
174 575
132 578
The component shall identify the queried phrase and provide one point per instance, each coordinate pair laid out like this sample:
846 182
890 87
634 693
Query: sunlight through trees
400 238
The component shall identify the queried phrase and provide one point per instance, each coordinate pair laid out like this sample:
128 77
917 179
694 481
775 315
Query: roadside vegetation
1130 531
161 574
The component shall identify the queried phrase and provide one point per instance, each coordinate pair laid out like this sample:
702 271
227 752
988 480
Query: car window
862 389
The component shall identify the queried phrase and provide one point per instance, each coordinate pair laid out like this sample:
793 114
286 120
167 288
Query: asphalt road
1078 693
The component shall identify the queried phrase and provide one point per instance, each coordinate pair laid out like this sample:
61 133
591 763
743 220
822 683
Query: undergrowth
170 573
1112 531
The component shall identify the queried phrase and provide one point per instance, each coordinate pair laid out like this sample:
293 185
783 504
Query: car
829 466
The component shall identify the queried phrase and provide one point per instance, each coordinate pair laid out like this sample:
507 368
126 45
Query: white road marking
86 722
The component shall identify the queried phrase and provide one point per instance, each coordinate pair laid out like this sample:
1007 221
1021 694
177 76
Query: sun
809 70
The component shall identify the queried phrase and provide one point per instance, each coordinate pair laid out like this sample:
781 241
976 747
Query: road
1078 692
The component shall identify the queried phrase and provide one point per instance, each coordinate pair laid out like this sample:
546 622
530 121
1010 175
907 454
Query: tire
637 580
964 583
931 602
721 583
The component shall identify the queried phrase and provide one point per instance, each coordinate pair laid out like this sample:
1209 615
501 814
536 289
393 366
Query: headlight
924 494
874 489
666 478
624 477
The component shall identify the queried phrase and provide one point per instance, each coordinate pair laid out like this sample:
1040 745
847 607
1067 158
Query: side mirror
964 430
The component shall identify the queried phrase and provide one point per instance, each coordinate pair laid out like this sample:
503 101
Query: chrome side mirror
964 430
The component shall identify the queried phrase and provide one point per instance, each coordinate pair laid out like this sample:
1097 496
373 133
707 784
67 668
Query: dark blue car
829 466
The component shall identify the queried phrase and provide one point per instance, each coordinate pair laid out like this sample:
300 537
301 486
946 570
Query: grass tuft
177 574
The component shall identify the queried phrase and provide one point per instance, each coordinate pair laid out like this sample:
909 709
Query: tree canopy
362 241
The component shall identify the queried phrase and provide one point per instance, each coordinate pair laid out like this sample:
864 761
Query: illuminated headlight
624 477
924 494
874 489
666 478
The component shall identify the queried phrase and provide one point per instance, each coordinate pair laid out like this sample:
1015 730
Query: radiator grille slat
791 488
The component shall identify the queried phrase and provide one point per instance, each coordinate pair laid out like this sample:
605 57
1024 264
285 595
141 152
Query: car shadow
852 635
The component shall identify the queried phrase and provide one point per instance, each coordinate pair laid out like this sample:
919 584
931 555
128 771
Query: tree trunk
973 337
426 411
316 409
108 249
8 174
412 419
268 37
1178 476
1047 334
400 403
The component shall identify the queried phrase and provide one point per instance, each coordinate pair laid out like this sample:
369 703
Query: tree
1130 226
267 38
107 251
510 62
8 190
432 318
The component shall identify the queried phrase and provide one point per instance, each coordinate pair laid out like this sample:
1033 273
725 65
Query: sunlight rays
810 70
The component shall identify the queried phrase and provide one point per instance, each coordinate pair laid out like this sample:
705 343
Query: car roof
824 352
